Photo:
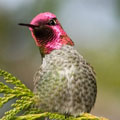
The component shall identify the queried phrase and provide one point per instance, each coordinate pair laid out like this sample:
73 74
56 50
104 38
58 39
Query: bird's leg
67 115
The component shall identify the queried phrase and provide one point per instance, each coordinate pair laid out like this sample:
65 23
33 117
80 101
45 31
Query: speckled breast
65 83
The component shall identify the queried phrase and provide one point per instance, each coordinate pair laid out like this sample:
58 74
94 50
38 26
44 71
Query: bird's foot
67 115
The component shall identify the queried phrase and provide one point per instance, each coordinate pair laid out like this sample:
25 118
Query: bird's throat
48 39
43 35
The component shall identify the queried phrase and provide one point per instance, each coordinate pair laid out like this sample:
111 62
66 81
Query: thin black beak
28 25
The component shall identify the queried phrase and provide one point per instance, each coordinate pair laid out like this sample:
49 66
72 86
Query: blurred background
94 26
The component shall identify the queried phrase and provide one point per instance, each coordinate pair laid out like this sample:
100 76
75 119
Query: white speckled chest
65 83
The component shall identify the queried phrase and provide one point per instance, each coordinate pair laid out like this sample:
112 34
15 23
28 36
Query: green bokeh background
93 25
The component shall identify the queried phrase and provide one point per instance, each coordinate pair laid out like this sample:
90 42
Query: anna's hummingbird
65 82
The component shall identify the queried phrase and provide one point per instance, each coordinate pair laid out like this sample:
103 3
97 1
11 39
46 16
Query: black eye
52 22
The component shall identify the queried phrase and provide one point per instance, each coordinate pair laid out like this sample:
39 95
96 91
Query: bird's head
48 33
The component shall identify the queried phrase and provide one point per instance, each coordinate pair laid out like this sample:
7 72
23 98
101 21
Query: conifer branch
20 91
54 116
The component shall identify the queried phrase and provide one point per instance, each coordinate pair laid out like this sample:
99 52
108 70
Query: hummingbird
65 82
